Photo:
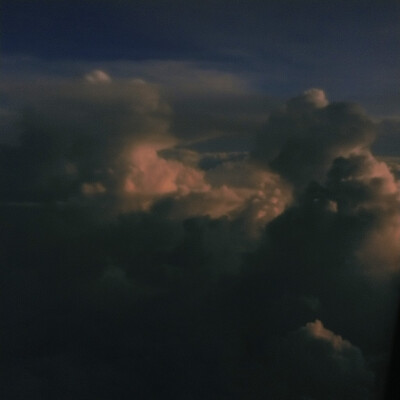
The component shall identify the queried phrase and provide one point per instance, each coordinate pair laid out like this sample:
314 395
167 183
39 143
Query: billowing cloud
321 364
106 143
365 186
301 140
140 264
76 136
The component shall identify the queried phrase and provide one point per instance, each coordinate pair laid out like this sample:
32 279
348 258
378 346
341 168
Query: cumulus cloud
79 136
330 246
362 185
301 140
311 99
139 261
114 144
97 76
321 364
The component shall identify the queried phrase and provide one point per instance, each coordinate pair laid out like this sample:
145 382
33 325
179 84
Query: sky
200 200
350 48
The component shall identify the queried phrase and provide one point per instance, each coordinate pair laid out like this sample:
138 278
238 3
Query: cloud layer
140 265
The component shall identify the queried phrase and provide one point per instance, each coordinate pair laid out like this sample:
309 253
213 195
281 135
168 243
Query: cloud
91 189
151 174
301 140
212 106
115 144
97 76
310 100
139 261
316 330
320 364
363 185
75 135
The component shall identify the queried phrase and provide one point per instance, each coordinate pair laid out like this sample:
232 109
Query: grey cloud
146 299
320 365
362 185
301 140
98 76
210 104
110 141
339 246
204 280
76 132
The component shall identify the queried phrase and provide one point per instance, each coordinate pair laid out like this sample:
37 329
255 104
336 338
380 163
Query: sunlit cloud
97 76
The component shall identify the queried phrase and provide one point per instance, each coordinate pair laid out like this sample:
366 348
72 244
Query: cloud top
97 76
302 139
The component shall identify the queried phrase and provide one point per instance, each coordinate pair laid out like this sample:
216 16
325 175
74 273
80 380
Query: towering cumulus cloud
135 265
303 138
100 140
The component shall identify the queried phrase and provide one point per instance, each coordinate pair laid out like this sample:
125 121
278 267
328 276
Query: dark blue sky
349 48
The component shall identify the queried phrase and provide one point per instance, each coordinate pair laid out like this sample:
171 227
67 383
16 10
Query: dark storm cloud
321 364
177 294
129 306
340 245
75 132
301 140
146 307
